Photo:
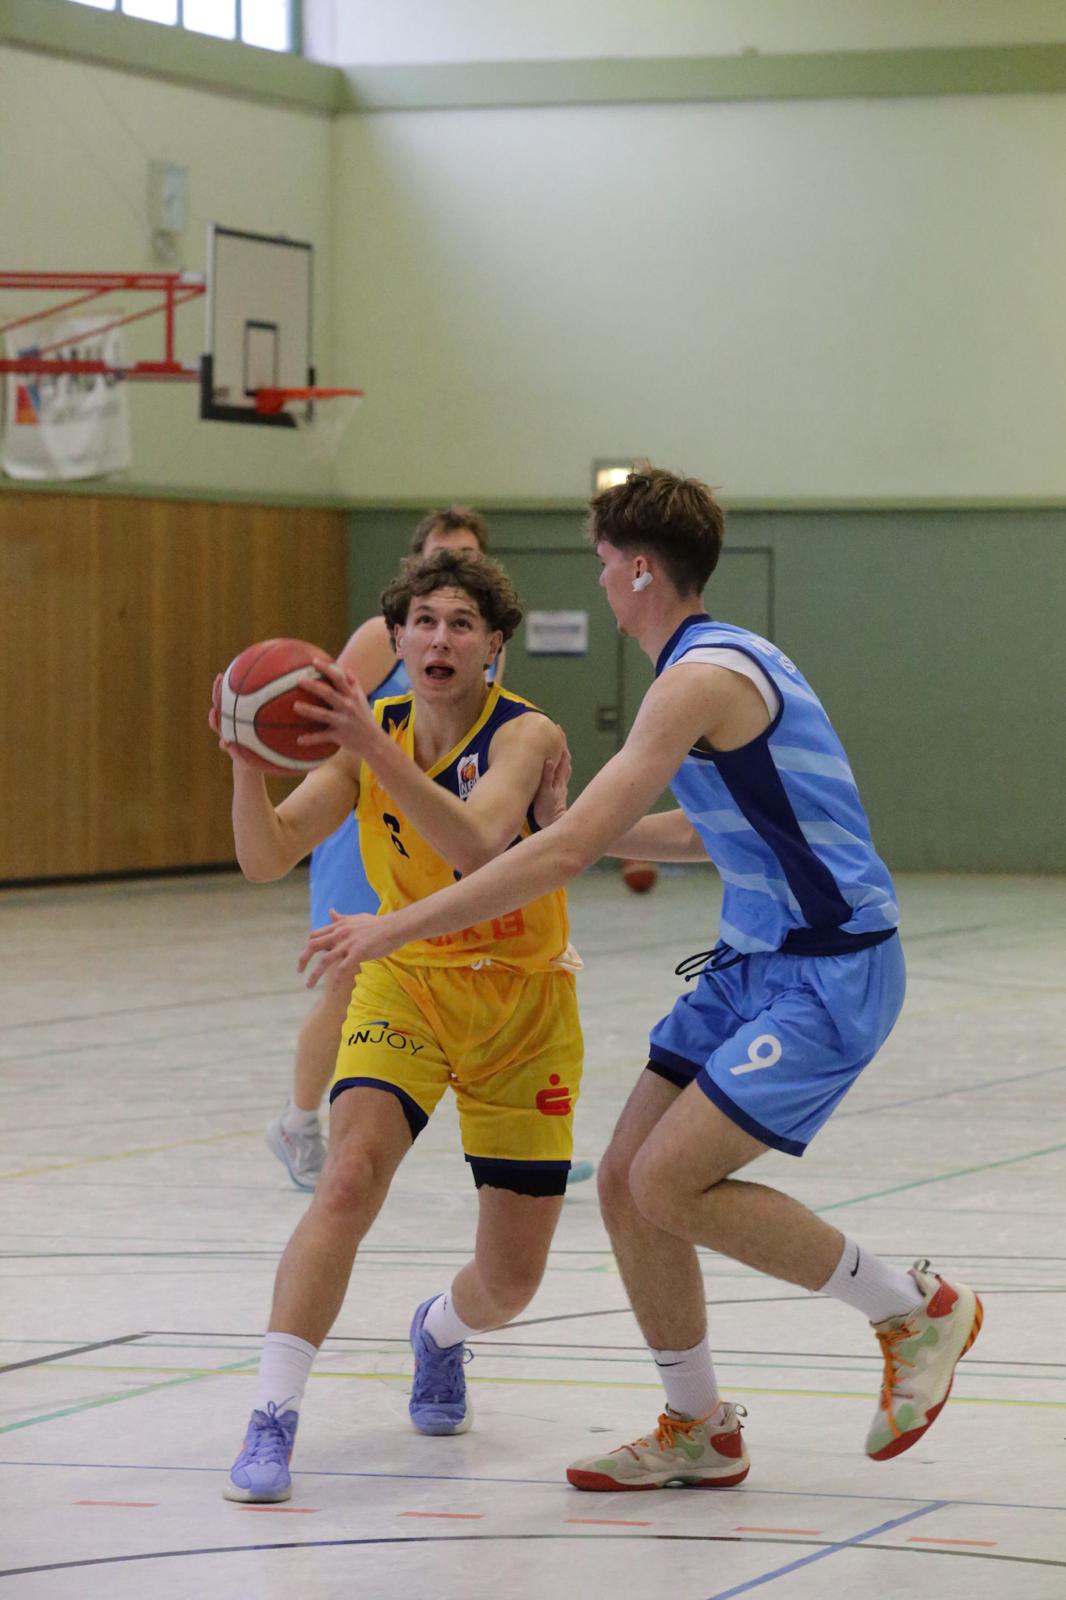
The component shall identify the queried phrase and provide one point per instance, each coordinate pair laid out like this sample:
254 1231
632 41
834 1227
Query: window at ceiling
267 23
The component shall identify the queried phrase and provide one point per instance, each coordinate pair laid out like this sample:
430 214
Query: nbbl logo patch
468 774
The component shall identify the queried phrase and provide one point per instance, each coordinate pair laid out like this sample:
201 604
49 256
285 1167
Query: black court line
827 1547
946 1094
549 1483
201 1004
78 1350
614 1349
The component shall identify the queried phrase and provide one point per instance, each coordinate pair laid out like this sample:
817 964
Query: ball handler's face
446 645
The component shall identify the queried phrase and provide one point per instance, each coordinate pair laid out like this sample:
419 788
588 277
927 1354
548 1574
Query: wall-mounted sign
557 633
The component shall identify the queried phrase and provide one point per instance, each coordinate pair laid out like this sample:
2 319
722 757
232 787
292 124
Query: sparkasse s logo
554 1101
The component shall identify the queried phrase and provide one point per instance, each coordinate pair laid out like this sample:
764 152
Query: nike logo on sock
855 1268
661 1364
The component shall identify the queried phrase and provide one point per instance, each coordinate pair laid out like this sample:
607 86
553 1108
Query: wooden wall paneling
119 614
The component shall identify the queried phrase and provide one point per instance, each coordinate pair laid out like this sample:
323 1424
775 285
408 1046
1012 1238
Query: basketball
640 876
255 701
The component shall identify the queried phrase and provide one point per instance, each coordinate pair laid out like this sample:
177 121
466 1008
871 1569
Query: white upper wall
75 199
350 32
819 298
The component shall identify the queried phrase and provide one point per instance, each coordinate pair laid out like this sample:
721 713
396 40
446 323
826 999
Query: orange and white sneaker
698 1454
921 1351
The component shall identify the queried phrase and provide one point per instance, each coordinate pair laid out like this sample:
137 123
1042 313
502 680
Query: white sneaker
921 1351
301 1154
697 1454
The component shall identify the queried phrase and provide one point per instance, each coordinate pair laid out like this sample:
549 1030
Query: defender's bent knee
612 1184
654 1190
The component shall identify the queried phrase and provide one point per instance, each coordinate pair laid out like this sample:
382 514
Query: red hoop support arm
177 288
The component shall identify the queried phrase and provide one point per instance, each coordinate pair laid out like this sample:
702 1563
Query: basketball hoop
321 416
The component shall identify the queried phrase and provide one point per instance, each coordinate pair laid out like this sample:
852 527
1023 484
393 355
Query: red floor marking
451 1516
741 1528
985 1544
144 1503
608 1522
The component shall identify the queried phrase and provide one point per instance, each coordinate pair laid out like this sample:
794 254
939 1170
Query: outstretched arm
674 714
664 836
466 833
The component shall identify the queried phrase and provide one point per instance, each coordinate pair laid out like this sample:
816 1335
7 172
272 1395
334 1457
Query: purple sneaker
261 1471
439 1402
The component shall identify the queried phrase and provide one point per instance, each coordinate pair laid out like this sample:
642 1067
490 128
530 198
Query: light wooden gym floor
146 1038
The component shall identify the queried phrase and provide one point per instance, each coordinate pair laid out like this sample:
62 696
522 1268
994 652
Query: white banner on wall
557 633
69 424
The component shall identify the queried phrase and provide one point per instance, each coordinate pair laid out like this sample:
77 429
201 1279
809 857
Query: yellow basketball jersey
402 867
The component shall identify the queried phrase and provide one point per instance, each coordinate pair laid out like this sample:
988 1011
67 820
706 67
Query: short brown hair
457 519
677 519
483 579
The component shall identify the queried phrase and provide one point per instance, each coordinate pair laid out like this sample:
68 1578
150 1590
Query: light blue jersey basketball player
338 880
797 996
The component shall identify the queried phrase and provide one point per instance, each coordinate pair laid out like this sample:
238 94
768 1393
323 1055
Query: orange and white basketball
255 702
640 876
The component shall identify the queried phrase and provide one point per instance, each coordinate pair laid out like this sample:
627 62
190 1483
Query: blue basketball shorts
337 876
776 1041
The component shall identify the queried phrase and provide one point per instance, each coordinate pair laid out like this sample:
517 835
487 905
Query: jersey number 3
393 825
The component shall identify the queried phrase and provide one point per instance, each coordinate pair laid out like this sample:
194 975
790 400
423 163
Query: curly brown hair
677 519
483 579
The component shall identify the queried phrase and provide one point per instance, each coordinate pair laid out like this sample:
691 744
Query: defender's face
617 571
446 644
451 539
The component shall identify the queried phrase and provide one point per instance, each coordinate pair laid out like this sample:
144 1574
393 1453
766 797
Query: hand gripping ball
255 701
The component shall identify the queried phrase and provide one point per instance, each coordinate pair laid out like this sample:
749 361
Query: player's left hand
549 802
345 944
342 708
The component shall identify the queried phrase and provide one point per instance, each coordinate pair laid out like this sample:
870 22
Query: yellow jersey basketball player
443 779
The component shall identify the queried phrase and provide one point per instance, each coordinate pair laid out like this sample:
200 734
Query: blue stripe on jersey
781 818
757 787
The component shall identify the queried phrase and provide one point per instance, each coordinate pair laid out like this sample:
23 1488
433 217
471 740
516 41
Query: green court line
942 1177
128 1394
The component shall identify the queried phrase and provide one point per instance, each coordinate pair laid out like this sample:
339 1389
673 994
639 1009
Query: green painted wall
933 637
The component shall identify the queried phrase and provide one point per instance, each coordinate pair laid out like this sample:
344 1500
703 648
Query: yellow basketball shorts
508 1044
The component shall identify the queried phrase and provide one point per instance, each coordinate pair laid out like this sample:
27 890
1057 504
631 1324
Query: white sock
295 1120
284 1368
443 1326
871 1285
689 1380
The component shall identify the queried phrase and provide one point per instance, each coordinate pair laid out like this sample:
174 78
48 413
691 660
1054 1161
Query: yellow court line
558 1383
126 1155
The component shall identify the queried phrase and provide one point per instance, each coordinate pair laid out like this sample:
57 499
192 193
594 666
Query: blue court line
830 1550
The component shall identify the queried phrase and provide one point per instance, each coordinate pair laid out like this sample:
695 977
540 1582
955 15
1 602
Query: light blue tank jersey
781 818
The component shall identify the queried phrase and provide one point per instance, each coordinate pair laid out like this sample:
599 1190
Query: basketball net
322 417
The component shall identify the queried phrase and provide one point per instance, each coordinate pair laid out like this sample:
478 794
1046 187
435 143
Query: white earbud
642 582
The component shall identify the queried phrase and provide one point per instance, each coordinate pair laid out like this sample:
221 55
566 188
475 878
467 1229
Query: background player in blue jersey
338 878
803 988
